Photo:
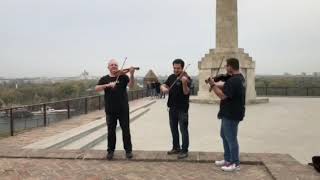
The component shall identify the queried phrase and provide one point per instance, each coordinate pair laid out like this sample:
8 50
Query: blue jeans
228 133
178 117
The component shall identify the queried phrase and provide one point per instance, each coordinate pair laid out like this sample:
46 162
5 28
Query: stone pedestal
227 47
209 66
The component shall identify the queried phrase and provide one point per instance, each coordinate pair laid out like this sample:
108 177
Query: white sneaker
221 163
230 168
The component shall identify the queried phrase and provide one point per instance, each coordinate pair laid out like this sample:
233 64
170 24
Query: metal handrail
135 94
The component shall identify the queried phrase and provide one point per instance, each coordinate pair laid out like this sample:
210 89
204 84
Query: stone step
102 145
65 138
84 141
61 139
100 135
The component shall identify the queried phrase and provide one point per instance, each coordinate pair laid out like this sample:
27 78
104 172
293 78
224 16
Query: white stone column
226 24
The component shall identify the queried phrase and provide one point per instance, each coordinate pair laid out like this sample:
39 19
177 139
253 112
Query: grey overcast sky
64 37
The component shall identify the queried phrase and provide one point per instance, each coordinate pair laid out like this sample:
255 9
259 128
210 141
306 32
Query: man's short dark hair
234 63
178 61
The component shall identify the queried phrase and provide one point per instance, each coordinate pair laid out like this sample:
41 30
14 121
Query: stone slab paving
78 144
91 127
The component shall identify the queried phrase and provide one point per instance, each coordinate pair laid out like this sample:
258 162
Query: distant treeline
38 93
27 93
298 82
281 81
288 81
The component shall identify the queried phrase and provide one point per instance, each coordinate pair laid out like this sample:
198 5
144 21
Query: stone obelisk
226 25
226 47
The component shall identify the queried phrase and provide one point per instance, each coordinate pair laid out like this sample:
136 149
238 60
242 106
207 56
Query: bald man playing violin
178 86
114 86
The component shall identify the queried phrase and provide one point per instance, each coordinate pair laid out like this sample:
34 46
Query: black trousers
178 117
124 124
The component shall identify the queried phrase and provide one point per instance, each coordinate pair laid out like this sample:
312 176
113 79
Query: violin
125 71
219 77
184 73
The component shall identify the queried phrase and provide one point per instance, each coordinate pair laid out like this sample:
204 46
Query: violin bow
218 70
125 59
179 77
220 65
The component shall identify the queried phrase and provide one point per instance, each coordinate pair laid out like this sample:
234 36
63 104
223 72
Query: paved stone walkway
284 125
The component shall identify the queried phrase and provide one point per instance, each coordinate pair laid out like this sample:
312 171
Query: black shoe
173 151
129 155
182 155
110 155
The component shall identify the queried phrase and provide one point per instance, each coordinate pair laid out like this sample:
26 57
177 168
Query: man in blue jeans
178 87
232 110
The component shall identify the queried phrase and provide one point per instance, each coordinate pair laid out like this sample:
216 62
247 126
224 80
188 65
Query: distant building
317 74
149 78
303 74
3 80
84 75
